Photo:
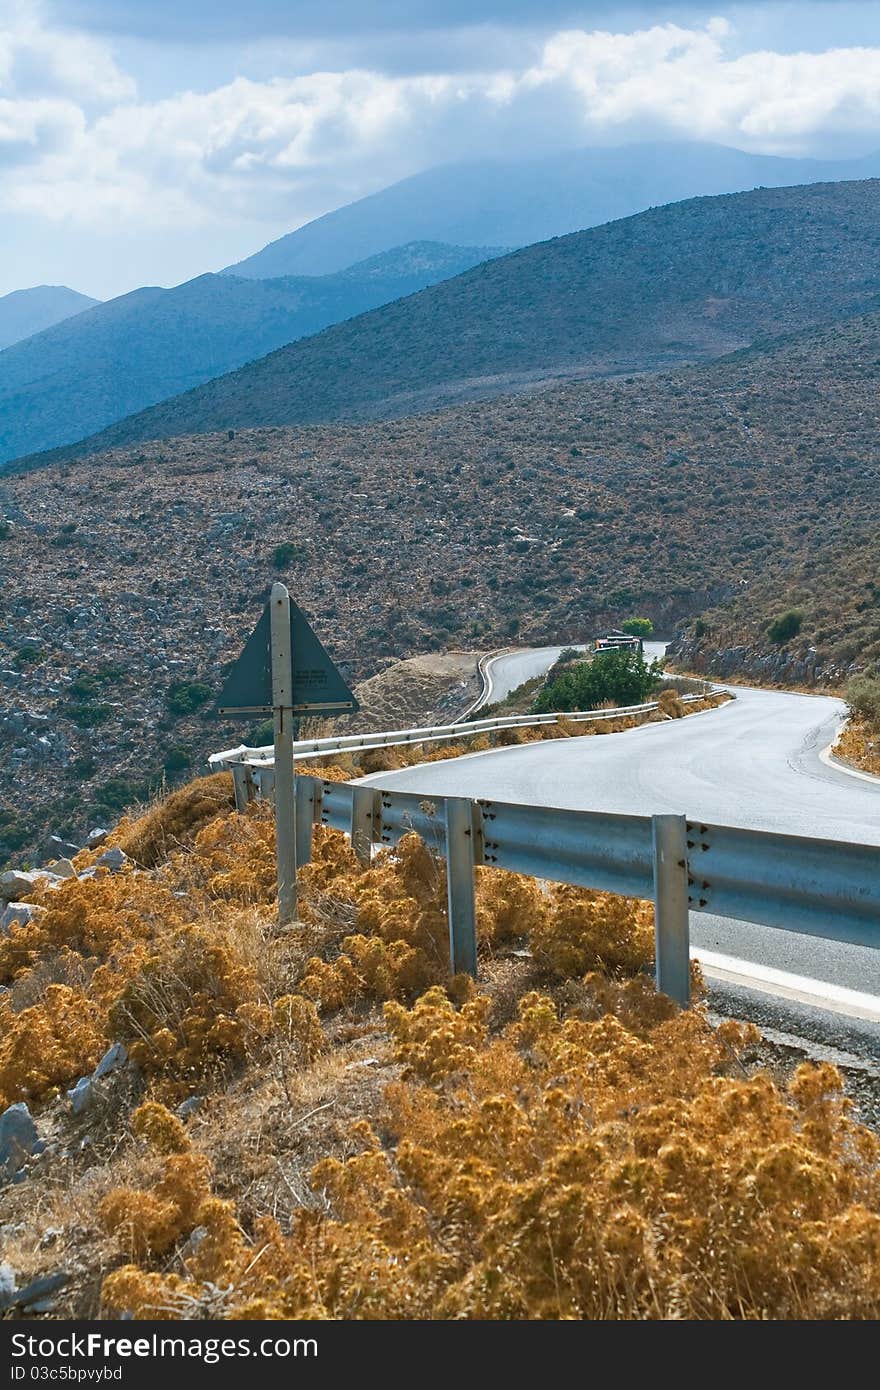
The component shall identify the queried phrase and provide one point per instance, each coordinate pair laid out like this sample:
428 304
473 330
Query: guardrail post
671 922
460 885
308 810
282 702
243 786
364 819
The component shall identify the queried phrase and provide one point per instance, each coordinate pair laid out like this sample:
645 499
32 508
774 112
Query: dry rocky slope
128 580
688 281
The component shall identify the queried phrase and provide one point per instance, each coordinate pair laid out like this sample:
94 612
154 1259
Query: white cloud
79 144
39 61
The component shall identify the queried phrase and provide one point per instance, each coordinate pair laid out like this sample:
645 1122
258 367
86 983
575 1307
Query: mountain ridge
119 357
685 282
518 202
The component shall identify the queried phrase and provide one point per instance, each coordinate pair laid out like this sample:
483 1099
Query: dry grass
859 745
172 822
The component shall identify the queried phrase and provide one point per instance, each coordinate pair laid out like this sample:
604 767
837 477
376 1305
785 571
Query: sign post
282 712
284 671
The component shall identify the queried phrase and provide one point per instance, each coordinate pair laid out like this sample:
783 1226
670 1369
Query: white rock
15 883
7 1283
17 915
81 1095
113 859
115 1056
62 868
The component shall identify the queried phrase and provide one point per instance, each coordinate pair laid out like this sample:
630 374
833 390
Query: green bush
177 760
83 688
786 626
619 677
638 627
88 715
863 698
286 552
186 696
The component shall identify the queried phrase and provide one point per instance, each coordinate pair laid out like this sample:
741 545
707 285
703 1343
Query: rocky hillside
144 346
128 580
821 595
692 280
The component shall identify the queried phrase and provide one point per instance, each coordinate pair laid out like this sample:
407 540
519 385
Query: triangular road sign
318 688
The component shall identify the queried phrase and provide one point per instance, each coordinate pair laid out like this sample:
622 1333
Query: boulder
115 1056
18 915
81 1095
15 884
96 837
63 849
62 868
113 859
18 1138
35 1296
190 1106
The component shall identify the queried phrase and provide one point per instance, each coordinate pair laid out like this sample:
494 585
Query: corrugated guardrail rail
252 767
818 887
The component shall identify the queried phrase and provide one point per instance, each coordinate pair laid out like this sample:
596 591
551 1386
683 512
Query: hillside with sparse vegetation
719 497
683 282
121 356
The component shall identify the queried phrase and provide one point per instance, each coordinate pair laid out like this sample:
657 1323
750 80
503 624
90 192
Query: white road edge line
827 757
764 978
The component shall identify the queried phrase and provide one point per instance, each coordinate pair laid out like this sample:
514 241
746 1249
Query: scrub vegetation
319 1122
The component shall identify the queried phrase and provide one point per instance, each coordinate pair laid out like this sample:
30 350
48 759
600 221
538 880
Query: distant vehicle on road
612 640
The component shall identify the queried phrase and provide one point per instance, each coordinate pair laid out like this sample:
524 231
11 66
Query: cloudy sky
144 141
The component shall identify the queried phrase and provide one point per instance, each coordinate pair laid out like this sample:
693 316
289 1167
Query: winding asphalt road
754 762
509 671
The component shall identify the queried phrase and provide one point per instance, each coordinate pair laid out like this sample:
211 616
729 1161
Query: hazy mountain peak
25 312
514 202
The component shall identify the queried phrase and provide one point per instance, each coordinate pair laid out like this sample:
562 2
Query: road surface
508 672
754 762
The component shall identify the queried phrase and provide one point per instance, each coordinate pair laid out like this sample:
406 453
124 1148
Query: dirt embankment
435 688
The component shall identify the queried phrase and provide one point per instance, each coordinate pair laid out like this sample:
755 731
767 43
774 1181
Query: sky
147 141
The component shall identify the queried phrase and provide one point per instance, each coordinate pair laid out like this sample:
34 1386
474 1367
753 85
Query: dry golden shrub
570 1167
187 1005
151 1221
188 978
400 945
175 820
236 857
584 930
48 1044
401 940
671 705
434 1038
96 932
859 744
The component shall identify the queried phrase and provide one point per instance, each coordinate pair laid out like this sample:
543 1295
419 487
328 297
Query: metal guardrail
250 766
817 887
